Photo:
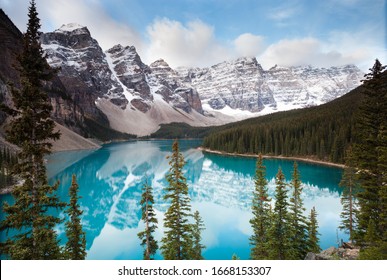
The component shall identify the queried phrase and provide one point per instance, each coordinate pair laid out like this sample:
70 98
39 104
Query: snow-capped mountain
117 88
243 84
83 68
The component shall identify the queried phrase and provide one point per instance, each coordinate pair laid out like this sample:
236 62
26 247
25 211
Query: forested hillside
323 132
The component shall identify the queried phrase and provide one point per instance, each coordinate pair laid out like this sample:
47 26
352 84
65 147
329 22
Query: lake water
220 187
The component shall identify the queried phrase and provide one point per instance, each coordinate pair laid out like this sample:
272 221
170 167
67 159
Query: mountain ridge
116 89
140 95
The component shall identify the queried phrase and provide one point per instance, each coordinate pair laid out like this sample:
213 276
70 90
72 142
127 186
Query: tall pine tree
350 185
177 240
261 214
197 228
148 216
280 230
75 248
297 218
313 239
32 130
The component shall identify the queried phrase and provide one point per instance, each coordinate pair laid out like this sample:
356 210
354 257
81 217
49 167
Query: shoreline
308 160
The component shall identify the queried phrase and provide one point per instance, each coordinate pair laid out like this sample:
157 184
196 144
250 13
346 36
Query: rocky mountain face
115 87
83 69
10 46
141 82
243 84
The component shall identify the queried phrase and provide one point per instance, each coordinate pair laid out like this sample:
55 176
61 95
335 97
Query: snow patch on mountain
71 27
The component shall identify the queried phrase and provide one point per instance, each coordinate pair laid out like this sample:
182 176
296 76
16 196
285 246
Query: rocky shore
346 252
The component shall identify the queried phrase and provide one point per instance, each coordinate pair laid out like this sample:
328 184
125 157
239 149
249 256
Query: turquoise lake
220 187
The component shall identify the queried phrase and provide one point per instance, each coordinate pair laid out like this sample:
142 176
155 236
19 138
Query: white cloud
359 47
179 45
248 44
311 51
282 13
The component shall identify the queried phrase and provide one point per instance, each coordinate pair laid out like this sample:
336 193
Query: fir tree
261 214
375 249
280 230
298 220
313 239
177 240
370 152
348 198
148 216
32 130
75 248
197 228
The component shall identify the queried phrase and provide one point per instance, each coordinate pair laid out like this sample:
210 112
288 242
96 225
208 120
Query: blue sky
205 32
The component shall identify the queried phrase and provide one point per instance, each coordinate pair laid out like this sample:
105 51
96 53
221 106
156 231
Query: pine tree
298 220
75 248
261 214
177 240
370 151
197 228
149 218
348 198
280 230
32 129
313 239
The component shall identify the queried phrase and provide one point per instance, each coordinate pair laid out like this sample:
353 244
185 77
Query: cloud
285 14
282 13
184 45
360 48
248 44
311 51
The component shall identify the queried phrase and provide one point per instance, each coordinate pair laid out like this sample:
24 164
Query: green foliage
180 130
261 214
148 216
376 252
370 157
235 257
280 230
323 132
351 187
313 239
75 248
197 228
177 241
32 130
297 218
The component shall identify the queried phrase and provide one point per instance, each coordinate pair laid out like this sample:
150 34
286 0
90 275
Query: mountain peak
160 63
73 27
